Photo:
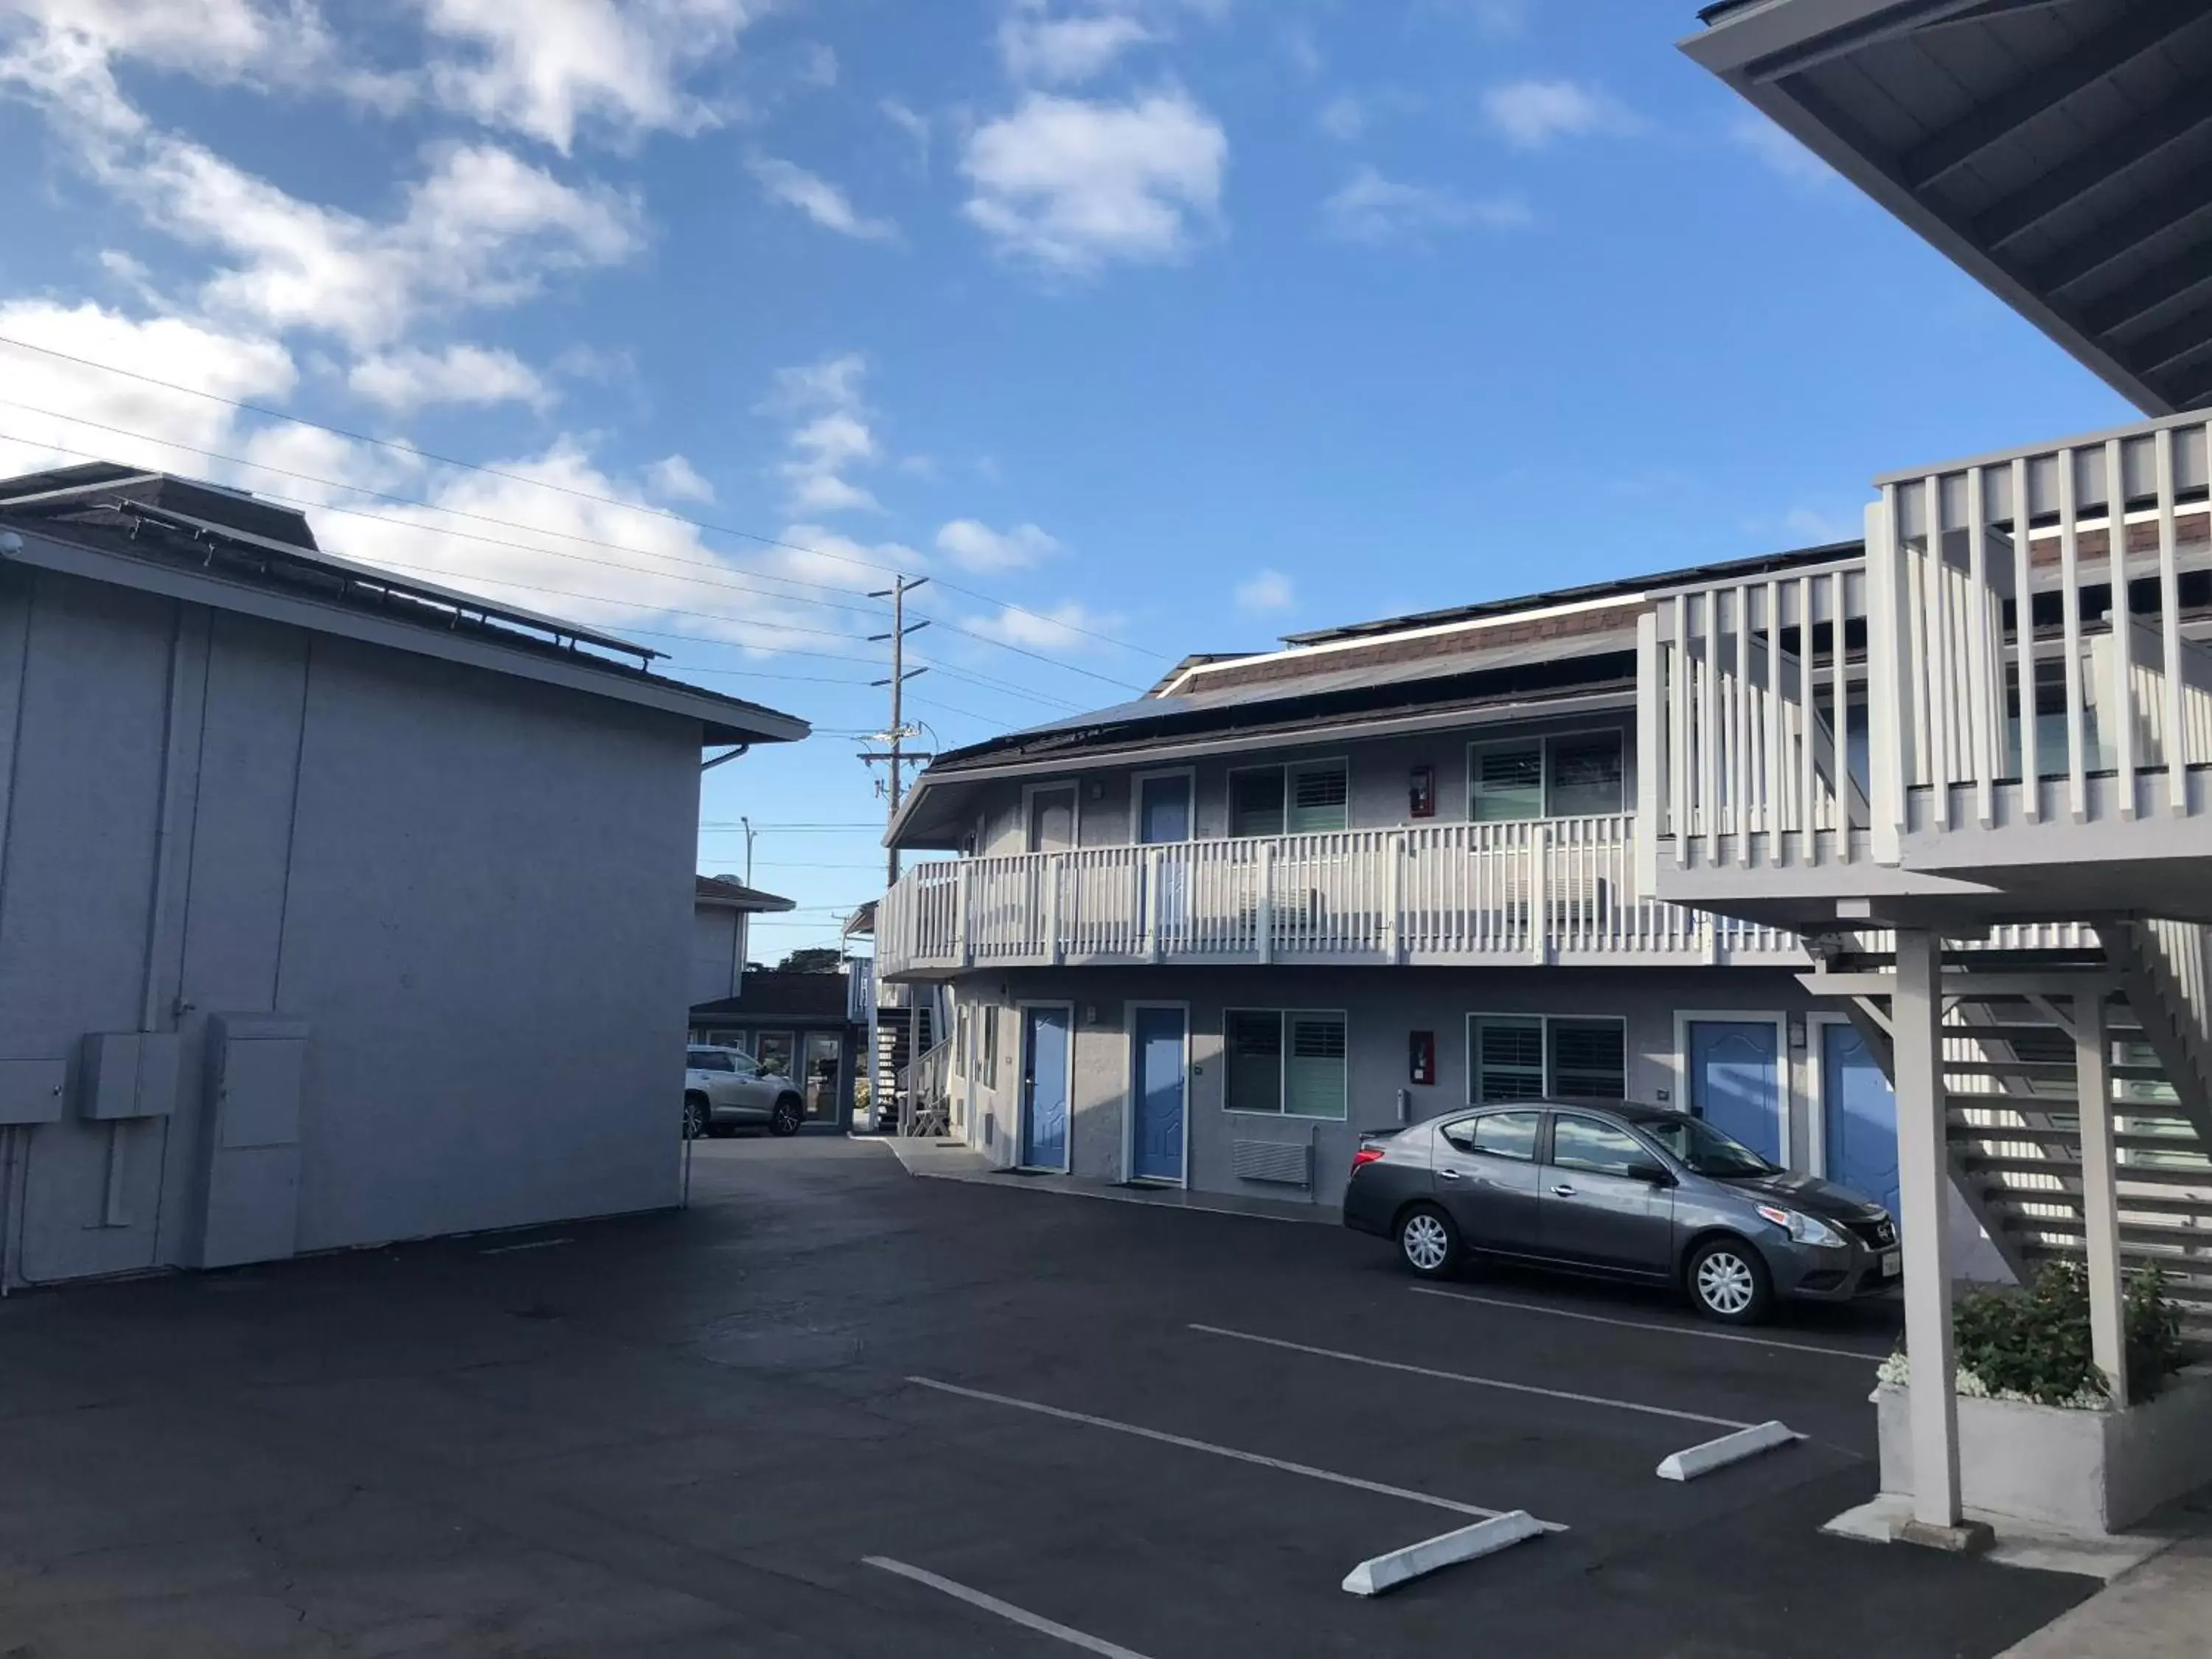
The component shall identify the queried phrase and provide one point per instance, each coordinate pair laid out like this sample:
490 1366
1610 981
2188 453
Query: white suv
726 1087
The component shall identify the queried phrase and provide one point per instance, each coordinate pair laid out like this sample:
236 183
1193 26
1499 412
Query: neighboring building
1385 871
335 907
805 1023
720 914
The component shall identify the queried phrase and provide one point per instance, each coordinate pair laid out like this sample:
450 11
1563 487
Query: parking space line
1207 1446
1478 1381
1007 1610
1644 1324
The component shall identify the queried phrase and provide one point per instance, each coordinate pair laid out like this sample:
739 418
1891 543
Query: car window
1500 1135
711 1060
1583 1143
1706 1149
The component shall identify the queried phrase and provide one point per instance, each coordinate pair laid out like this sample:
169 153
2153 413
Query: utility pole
899 730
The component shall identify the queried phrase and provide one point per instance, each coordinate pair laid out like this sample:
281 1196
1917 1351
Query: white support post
2101 1220
1539 909
963 947
2120 721
1155 867
1924 1178
1889 707
1651 752
1263 919
1055 948
2176 746
1394 896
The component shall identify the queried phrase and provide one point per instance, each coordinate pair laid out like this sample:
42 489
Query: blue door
1861 1110
1044 1088
1155 1037
1736 1081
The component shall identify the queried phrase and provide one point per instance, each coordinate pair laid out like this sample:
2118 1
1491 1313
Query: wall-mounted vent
1286 1164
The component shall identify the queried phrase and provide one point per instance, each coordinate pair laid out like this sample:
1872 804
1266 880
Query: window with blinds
1255 802
1538 1056
1508 1059
1285 1063
1319 798
1583 774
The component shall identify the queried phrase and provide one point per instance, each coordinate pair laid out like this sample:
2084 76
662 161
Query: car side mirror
1656 1173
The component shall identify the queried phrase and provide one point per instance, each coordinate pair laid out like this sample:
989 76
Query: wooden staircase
2012 1099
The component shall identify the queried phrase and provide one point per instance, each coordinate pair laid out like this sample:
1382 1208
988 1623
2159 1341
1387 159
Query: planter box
2091 1472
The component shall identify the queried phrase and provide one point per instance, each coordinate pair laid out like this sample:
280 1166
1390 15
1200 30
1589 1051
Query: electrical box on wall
129 1074
1421 1057
1421 793
31 1090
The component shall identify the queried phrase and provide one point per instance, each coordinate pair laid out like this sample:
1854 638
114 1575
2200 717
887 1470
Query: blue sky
1140 326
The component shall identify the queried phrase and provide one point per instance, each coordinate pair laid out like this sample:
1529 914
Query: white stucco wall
718 953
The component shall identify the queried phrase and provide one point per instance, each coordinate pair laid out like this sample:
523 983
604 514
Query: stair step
2006 1031
2047 1071
2041 1137
2063 1167
2131 1232
2134 1203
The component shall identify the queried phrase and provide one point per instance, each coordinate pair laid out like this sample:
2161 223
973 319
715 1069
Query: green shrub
2035 1342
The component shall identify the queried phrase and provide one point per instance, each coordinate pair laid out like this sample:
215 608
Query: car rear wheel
1729 1282
695 1116
788 1115
1428 1244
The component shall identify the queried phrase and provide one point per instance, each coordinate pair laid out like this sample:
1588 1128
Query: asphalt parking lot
1168 1434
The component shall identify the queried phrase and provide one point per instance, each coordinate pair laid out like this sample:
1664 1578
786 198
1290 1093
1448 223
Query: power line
554 552
543 483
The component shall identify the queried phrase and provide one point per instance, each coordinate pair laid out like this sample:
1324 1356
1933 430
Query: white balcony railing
1560 890
1967 674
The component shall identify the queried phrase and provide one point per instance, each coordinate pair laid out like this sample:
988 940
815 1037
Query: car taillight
1365 1155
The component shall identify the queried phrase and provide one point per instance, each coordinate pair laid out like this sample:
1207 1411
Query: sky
1139 327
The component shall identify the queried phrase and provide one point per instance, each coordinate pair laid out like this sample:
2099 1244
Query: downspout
737 753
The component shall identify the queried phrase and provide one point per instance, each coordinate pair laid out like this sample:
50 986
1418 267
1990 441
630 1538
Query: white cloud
674 479
915 124
1266 590
410 378
831 436
1533 113
1343 118
1779 151
1065 629
1302 49
546 67
973 545
63 52
481 228
1814 527
1058 51
1074 185
817 198
176 430
1373 209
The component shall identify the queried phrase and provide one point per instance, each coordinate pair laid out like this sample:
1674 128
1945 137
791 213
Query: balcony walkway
1557 891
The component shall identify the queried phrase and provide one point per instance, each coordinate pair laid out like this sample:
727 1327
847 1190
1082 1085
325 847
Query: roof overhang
929 818
721 720
2059 151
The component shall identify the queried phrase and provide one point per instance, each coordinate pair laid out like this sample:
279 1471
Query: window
1583 1143
1507 1059
1705 1149
1580 775
1497 1134
773 1048
1590 1059
1540 1056
711 1060
990 1067
1312 798
1287 1063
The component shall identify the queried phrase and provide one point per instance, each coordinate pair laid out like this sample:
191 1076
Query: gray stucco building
334 908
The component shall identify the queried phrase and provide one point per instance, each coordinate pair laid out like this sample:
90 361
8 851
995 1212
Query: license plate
1893 1263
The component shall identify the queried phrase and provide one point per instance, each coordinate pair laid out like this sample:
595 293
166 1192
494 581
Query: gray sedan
1629 1191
